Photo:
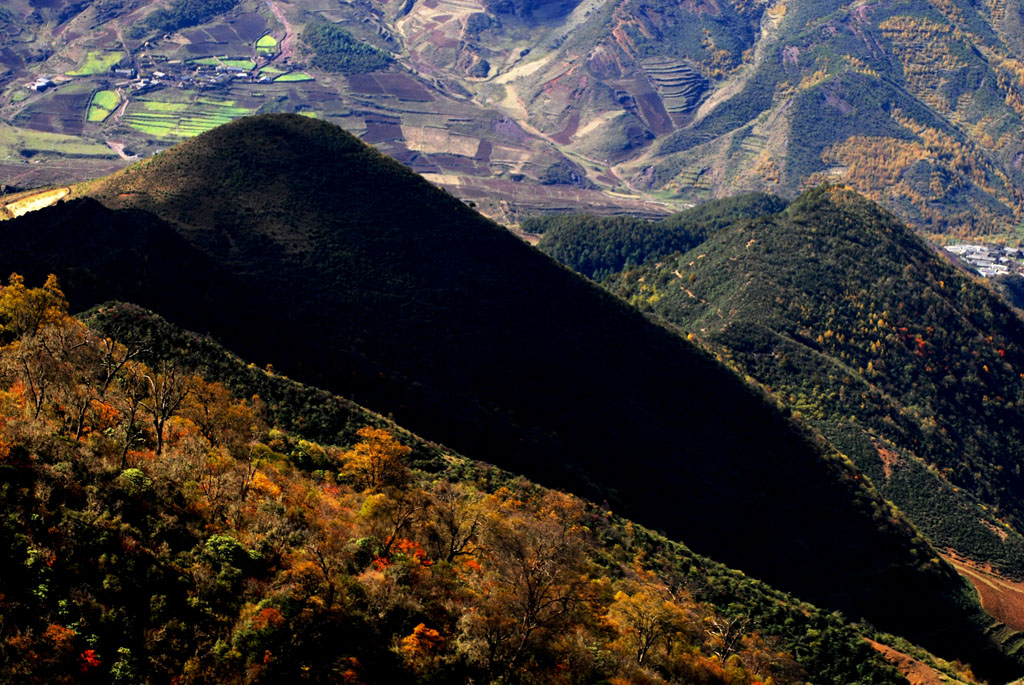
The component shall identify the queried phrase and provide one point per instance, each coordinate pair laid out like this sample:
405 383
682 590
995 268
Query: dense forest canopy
600 246
334 49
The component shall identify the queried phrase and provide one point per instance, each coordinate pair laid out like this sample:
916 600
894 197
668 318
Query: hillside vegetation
161 528
423 309
184 13
334 49
907 365
600 246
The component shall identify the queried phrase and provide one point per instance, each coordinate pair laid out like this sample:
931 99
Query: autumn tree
378 459
533 581
453 521
24 310
650 617
133 391
167 390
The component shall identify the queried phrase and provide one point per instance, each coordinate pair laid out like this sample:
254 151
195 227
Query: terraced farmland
162 119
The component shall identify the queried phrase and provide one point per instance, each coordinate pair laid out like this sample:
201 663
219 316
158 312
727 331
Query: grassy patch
103 104
293 77
19 96
14 139
271 71
97 62
206 61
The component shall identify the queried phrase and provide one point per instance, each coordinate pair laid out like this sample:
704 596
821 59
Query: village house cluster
989 260
188 75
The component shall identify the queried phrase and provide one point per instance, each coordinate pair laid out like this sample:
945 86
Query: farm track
288 41
1000 597
916 672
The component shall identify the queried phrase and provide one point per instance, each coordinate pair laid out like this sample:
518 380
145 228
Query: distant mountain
363 278
617 106
908 366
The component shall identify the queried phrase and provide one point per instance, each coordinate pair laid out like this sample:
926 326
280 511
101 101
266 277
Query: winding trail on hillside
288 41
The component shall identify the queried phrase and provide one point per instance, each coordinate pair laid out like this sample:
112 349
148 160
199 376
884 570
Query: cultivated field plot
163 119
103 104
97 62
267 45
396 85
293 77
60 111
235 37
225 61
25 143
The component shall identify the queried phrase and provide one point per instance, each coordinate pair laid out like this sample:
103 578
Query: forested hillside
906 364
600 246
162 528
425 310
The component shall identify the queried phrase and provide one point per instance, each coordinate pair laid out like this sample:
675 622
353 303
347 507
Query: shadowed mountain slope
380 287
241 533
909 366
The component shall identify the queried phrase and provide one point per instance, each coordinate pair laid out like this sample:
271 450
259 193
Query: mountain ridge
411 305
903 361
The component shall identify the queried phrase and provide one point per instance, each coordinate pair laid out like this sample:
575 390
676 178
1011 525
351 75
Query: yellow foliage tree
24 310
378 460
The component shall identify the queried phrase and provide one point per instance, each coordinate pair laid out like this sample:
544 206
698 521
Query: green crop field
158 106
103 104
215 102
246 64
267 45
97 62
162 119
271 71
293 77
